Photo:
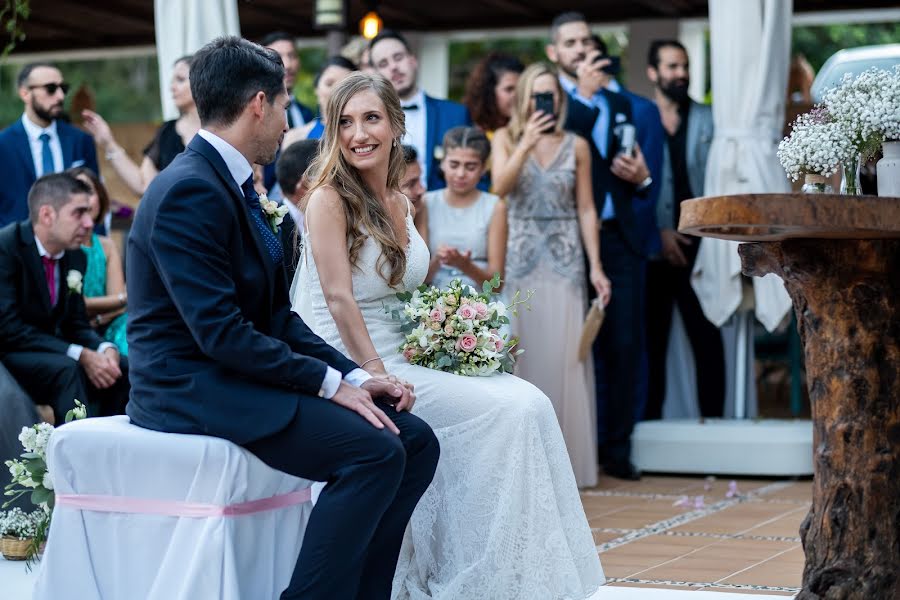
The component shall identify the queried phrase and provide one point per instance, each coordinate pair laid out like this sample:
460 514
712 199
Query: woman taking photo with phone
545 175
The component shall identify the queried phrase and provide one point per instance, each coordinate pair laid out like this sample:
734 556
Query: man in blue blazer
601 117
215 349
427 118
39 143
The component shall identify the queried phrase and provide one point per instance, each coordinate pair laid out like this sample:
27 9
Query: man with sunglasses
40 143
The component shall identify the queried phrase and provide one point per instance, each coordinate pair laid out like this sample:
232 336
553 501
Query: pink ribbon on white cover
178 508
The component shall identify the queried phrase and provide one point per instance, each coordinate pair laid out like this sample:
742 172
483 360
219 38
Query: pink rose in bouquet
466 342
467 312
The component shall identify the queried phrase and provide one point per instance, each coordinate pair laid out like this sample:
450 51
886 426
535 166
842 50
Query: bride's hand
392 390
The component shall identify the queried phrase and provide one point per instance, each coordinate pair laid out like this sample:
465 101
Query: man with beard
618 177
427 118
39 143
689 134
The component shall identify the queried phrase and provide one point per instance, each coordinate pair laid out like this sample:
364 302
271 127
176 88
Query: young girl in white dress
465 228
503 519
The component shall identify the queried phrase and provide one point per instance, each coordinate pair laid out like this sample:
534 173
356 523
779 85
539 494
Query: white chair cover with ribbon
162 516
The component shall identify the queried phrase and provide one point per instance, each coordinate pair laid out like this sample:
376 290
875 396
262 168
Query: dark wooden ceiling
81 24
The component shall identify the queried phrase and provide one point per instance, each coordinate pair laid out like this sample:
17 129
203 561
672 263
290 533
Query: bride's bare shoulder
325 199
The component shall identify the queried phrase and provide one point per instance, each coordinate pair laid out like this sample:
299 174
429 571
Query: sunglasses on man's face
52 87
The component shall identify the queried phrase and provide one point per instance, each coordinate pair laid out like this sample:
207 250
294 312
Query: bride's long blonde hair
365 215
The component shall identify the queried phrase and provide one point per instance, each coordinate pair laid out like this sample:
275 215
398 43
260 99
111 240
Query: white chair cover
111 556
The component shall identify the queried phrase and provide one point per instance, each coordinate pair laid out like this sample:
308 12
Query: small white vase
888 170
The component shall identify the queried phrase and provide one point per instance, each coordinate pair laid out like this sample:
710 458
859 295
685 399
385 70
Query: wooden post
846 295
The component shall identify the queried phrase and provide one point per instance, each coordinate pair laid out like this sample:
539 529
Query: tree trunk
846 295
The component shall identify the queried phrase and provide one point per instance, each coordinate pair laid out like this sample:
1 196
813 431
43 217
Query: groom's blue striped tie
273 244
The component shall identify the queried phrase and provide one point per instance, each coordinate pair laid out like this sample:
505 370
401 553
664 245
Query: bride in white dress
502 519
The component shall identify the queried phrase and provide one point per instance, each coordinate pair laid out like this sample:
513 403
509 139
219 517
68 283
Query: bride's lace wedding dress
502 519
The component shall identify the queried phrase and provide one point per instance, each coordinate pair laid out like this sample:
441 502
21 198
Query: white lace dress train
503 519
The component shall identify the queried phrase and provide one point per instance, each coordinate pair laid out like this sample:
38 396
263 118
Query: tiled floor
657 533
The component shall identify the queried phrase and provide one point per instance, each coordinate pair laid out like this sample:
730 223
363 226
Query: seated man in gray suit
689 134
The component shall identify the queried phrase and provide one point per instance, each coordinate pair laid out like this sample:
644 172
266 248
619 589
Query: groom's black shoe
622 470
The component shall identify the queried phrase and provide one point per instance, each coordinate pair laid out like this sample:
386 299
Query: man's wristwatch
647 182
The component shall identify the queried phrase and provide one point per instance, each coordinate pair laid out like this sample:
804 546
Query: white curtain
183 27
750 52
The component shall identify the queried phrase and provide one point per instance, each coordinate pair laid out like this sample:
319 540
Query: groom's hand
359 400
399 393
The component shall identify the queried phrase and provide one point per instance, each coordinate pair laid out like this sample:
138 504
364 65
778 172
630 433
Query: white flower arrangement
817 145
273 212
74 281
854 119
457 329
30 475
868 106
19 524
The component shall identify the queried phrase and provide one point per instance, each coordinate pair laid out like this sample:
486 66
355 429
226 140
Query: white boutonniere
438 153
73 281
274 214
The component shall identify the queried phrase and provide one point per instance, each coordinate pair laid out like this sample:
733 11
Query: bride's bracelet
362 366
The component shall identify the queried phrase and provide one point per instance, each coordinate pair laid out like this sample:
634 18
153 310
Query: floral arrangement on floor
31 476
18 524
854 119
457 329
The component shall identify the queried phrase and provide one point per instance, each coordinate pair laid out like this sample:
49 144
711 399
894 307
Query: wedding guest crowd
586 180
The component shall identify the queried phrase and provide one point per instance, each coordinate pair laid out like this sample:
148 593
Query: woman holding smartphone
545 175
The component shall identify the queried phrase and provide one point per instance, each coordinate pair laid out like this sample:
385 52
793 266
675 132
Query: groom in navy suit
39 143
215 349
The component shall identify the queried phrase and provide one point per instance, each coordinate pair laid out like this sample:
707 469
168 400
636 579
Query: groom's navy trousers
214 349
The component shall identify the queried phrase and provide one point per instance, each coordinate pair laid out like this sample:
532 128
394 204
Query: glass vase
816 184
850 184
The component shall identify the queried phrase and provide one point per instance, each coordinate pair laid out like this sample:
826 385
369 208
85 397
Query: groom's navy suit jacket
213 345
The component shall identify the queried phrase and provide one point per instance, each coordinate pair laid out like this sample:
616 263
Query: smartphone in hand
543 101
614 66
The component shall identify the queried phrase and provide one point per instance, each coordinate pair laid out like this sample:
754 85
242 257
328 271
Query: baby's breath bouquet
457 329
854 119
868 106
31 476
817 145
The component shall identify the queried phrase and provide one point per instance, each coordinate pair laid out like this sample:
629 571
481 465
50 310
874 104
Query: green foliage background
127 89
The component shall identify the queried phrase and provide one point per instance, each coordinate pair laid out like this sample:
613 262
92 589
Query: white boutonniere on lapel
439 153
74 281
274 214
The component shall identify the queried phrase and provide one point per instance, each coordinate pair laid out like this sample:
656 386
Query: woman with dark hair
105 298
491 89
332 72
170 140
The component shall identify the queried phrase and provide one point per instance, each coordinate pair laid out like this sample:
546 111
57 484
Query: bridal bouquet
457 329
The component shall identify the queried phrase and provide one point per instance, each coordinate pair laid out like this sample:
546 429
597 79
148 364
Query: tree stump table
839 257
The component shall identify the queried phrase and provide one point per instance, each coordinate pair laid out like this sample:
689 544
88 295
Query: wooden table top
776 217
